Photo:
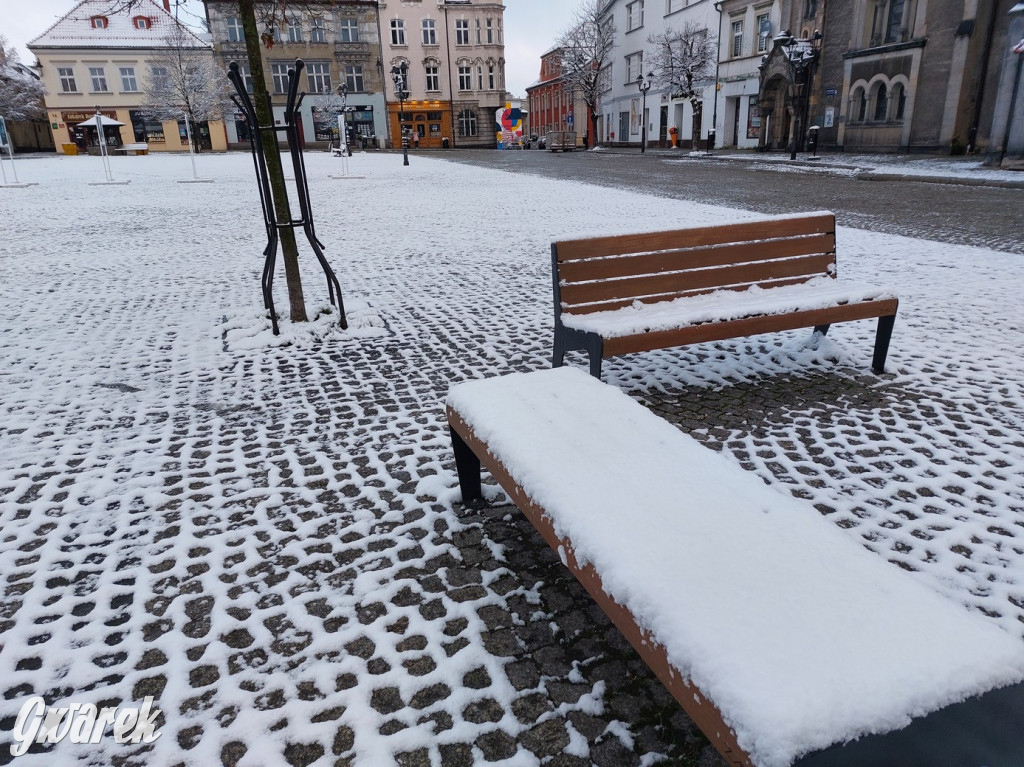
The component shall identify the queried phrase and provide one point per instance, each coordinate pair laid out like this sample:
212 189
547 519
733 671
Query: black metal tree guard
305 220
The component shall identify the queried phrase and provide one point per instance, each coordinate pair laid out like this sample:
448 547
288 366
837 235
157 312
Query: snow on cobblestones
263 537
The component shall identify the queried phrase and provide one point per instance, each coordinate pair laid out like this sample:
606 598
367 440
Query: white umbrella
96 121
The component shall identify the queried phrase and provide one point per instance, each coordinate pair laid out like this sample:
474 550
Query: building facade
553 106
889 76
339 43
625 114
94 59
454 51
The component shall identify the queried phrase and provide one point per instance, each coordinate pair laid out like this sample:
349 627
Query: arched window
899 100
467 122
859 106
881 102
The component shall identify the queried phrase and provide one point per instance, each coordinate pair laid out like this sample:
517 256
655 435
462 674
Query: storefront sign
81 117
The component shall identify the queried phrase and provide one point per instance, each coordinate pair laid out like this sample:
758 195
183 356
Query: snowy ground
263 536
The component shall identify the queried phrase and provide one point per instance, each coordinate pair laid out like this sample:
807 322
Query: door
663 127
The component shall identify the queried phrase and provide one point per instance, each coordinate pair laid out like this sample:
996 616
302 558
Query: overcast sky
531 27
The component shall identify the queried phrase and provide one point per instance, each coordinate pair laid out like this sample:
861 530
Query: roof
75 30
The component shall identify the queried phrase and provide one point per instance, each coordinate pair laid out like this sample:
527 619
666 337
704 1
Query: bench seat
638 292
780 635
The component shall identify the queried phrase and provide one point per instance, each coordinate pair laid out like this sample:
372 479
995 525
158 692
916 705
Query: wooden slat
612 305
719 331
701 710
645 242
677 282
674 260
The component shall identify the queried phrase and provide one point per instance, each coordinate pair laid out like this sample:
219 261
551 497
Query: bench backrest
604 273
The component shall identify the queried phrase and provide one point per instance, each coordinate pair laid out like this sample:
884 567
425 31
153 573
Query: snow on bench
133 149
637 292
780 636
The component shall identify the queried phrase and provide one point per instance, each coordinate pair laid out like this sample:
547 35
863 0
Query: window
634 67
860 105
634 15
737 38
67 79
894 25
467 122
141 22
810 9
98 79
294 30
462 32
465 78
899 98
246 75
317 31
764 26
318 75
397 32
349 29
490 77
158 76
429 32
128 82
490 31
433 78
881 102
235 32
354 77
671 6
279 73
478 31
98 22
479 78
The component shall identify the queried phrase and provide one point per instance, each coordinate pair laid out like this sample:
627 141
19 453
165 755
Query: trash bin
71 149
444 142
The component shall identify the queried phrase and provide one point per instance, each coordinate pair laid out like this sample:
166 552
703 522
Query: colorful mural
510 126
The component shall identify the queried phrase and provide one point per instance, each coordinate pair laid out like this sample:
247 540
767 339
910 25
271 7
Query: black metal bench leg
558 353
823 329
882 336
468 467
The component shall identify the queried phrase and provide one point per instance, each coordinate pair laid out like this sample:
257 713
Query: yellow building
94 59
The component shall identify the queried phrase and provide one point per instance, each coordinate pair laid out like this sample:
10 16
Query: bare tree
185 82
683 61
21 90
585 53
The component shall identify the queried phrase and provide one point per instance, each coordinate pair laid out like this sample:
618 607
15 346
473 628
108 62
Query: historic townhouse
455 54
339 42
635 22
97 57
745 31
552 104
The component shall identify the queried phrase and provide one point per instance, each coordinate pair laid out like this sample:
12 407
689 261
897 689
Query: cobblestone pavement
281 576
987 216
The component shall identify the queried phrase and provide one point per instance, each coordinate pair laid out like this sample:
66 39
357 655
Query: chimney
167 5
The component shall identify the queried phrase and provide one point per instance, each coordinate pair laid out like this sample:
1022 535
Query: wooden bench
785 640
133 149
638 292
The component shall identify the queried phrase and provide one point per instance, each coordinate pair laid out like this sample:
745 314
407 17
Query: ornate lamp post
644 84
343 143
399 75
801 56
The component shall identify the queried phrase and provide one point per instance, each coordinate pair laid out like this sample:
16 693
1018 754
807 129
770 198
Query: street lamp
801 56
399 75
644 85
343 144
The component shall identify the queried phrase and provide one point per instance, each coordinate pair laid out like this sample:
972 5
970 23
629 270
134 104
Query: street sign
3 134
569 119
831 91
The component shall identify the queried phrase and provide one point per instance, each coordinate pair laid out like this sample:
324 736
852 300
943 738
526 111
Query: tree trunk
272 156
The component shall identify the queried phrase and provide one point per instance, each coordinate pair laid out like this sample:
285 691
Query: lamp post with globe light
644 84
399 74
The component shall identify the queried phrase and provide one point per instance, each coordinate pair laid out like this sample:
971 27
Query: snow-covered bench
780 635
142 148
638 292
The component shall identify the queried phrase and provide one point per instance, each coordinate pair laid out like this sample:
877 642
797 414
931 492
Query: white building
747 29
620 119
